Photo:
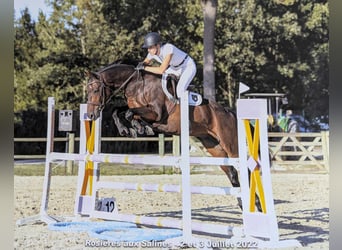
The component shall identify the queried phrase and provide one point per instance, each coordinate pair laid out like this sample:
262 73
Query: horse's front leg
129 116
139 125
122 129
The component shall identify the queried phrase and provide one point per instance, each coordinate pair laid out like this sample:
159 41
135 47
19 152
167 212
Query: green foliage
270 45
275 47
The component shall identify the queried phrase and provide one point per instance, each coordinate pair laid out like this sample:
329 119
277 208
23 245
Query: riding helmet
151 39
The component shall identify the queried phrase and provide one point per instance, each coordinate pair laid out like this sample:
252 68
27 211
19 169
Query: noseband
102 94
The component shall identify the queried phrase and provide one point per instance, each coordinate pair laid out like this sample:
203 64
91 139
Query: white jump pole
156 160
49 148
79 200
172 223
167 188
185 167
257 224
84 203
97 150
43 215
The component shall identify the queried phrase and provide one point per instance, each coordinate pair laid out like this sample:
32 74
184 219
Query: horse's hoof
141 131
149 130
129 115
137 126
155 125
133 133
123 131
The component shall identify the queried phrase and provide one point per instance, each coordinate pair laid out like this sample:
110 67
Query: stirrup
191 88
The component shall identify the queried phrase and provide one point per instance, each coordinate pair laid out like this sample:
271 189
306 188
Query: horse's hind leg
214 148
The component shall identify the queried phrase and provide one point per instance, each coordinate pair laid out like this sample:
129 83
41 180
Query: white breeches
186 71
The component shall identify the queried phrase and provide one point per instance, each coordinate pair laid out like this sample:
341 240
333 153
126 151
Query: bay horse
211 123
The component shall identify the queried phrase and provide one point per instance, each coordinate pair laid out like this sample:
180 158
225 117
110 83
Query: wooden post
161 147
325 149
71 146
175 149
161 144
175 145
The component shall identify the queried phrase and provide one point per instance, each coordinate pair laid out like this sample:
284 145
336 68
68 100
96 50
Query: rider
172 61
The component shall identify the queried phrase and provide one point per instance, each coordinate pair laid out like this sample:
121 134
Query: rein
120 88
114 93
105 101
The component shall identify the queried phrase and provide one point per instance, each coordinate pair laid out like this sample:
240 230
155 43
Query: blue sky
34 7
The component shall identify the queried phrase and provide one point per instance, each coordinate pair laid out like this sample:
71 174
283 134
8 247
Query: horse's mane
119 63
125 62
128 61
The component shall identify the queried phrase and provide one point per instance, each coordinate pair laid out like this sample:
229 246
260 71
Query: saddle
169 84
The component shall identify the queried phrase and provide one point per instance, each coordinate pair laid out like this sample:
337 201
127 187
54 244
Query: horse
213 125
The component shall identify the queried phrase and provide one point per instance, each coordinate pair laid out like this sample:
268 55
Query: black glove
140 66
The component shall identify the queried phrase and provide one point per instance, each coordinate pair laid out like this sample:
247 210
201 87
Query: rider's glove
140 66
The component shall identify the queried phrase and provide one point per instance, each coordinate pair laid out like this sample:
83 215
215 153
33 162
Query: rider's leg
186 77
164 85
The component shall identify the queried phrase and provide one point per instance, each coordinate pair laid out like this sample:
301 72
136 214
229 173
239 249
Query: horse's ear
90 74
87 73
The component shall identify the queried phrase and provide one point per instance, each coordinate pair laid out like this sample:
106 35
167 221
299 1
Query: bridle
103 87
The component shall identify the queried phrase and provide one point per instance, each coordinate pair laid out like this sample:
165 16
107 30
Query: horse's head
95 92
105 84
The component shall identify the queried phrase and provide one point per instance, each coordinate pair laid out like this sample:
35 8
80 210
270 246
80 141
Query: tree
60 60
274 47
26 45
209 12
279 45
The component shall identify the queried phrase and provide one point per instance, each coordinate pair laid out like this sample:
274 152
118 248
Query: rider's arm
160 69
147 61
